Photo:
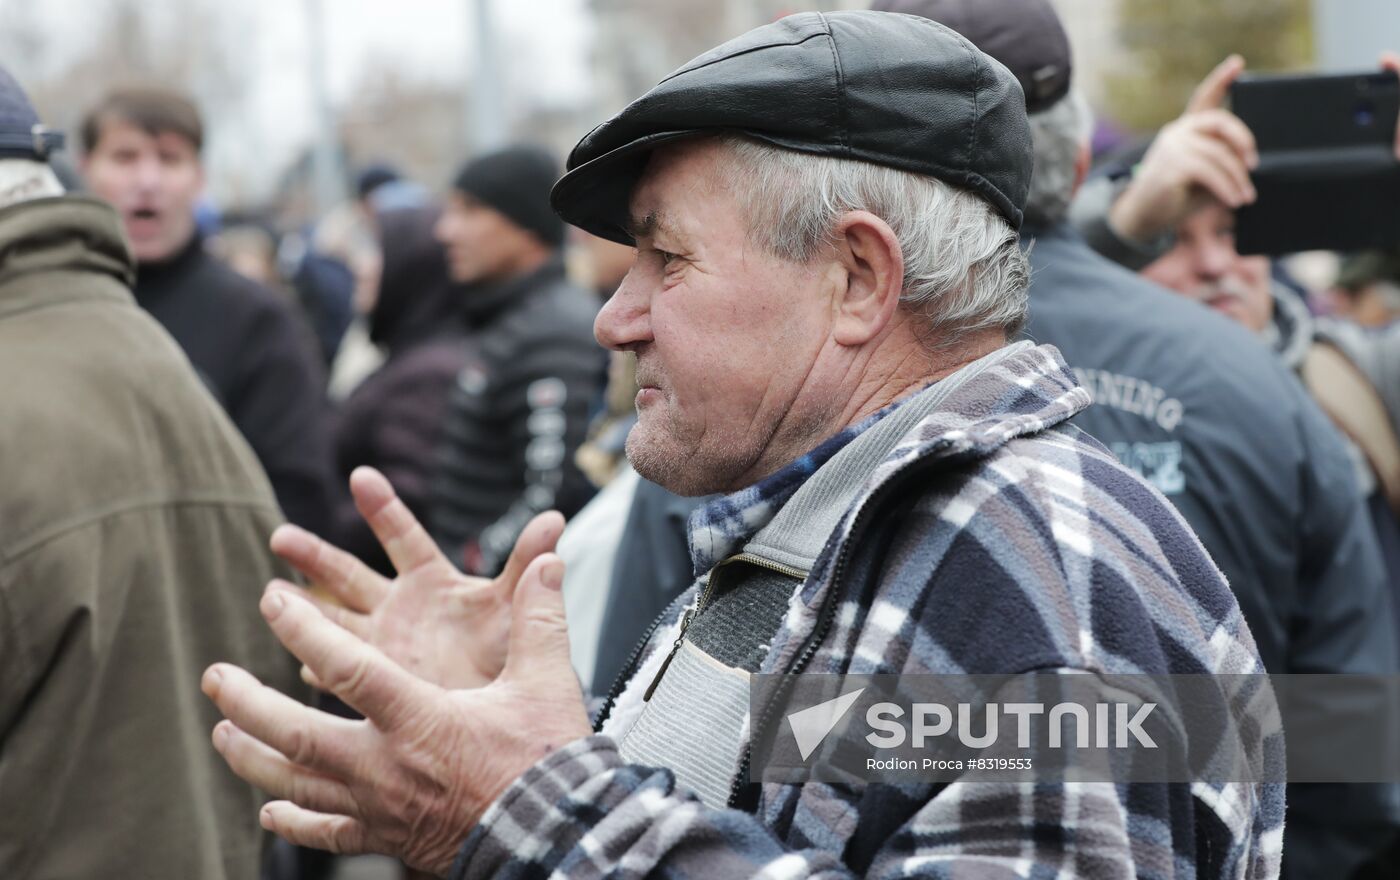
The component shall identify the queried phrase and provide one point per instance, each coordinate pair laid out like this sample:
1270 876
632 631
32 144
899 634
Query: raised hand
1206 153
1391 61
414 776
443 626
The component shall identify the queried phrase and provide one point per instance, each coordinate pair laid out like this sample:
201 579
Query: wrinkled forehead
676 175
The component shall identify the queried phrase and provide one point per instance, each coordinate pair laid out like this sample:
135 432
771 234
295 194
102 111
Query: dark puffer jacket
516 415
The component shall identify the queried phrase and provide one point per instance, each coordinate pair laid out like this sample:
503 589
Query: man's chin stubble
686 473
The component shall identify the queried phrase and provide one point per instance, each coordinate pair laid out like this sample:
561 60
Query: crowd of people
839 351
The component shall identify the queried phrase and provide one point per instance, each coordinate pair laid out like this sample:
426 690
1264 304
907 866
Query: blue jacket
1199 407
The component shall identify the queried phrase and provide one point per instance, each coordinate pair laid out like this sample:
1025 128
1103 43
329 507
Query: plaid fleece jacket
995 538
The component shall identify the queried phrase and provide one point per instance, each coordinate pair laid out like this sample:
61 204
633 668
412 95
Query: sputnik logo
811 725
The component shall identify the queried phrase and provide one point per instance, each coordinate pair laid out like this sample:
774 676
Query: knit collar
721 526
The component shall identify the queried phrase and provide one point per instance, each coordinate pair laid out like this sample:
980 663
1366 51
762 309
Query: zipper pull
675 648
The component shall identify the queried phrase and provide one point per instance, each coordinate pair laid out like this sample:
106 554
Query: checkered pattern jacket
995 538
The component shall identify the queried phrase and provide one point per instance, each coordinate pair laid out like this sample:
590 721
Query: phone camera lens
1365 114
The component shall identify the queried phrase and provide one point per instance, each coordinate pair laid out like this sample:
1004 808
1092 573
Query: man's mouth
143 218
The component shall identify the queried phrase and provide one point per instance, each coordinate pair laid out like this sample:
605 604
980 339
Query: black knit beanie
21 134
516 182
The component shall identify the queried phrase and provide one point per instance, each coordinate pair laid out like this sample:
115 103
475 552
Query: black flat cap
21 134
1025 35
894 90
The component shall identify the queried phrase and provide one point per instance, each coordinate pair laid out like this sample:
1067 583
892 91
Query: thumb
540 535
1213 89
539 634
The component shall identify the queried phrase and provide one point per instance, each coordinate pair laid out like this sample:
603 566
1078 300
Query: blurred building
637 42
1093 29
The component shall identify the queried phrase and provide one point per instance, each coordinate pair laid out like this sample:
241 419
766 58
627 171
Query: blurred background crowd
359 198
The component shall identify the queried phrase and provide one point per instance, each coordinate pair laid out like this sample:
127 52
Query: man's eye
666 257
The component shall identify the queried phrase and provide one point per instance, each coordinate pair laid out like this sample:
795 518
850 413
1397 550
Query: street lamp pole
487 113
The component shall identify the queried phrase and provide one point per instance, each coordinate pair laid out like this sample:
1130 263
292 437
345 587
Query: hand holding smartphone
1328 175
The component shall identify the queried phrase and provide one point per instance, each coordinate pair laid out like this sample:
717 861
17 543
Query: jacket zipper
629 668
692 613
826 615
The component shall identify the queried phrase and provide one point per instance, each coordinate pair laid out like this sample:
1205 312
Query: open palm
438 623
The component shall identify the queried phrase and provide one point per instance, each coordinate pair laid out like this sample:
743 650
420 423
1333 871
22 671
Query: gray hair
963 266
1057 136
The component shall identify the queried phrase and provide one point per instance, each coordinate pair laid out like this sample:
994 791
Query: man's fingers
1391 61
539 634
404 539
337 834
1230 129
268 769
541 535
310 678
312 739
353 621
358 673
1213 89
1215 167
346 578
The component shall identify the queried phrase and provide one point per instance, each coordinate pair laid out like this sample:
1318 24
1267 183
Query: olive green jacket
133 549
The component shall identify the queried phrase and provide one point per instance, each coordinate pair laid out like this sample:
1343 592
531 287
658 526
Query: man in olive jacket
135 520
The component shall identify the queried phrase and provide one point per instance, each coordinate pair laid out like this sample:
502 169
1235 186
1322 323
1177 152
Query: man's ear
873 265
1082 160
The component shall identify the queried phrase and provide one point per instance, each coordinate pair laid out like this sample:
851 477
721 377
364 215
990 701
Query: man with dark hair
133 517
142 155
520 407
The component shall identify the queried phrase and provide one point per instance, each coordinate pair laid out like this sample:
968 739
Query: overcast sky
543 43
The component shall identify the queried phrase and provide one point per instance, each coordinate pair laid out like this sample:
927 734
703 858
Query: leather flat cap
891 89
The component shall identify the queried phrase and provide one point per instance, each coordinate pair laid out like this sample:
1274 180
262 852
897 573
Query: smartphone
1328 178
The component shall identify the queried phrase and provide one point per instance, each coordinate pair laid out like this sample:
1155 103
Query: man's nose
1215 258
442 229
148 173
625 319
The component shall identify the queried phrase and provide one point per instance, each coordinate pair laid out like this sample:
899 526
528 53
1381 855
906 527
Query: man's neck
883 375
915 369
526 264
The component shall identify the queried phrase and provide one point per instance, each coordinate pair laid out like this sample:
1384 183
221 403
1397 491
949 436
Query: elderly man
825 212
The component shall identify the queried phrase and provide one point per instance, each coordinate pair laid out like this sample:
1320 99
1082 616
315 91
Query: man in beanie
134 517
1182 396
520 406
142 155
828 276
